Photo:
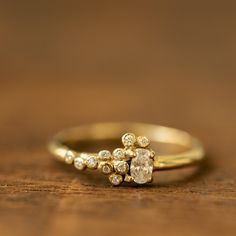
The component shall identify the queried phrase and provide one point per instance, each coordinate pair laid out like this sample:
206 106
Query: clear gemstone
141 166
92 162
128 139
118 154
104 155
121 167
115 179
143 141
69 157
79 163
107 168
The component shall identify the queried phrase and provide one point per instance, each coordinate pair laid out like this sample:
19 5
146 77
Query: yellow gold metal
194 151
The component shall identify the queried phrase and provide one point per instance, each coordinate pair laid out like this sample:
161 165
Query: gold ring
135 161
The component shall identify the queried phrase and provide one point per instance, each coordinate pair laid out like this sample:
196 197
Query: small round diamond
69 157
106 168
115 179
121 167
143 141
104 155
128 139
91 162
118 154
79 163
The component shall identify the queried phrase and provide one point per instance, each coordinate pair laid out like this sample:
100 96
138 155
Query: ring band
136 161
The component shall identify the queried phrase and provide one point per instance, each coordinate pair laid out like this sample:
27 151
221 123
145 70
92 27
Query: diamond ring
136 160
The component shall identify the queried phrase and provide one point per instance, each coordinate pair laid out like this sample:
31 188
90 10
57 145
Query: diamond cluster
133 163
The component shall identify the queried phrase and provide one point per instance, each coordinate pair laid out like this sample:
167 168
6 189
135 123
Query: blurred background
64 63
118 57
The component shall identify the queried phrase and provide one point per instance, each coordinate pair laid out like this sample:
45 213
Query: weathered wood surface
163 63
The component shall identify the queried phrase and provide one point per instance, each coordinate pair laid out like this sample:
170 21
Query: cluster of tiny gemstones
115 164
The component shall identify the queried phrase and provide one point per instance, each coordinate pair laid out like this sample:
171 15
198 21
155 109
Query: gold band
193 153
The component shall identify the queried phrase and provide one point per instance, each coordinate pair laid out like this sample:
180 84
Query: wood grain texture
154 61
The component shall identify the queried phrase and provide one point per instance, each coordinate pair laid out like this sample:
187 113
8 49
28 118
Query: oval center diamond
141 166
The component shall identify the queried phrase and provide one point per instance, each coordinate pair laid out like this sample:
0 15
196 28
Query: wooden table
157 62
